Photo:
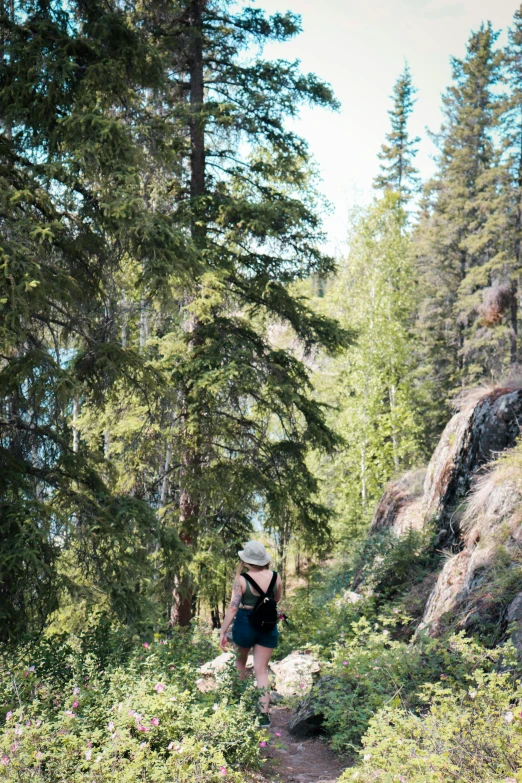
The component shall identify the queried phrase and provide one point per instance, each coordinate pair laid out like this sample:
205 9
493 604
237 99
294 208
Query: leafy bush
91 709
471 733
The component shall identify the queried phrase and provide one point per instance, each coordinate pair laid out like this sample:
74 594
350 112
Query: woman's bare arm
237 595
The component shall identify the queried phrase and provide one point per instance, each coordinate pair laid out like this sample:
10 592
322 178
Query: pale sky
359 47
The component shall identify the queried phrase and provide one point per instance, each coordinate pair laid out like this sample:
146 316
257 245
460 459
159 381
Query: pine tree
460 224
245 416
398 173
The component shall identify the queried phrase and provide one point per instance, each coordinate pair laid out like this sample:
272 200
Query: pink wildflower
402 779
110 725
345 663
14 746
5 760
155 721
75 704
223 770
89 744
170 745
146 645
278 733
76 690
143 728
88 754
159 687
262 744
9 715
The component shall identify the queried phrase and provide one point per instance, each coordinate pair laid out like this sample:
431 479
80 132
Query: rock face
294 674
308 717
401 505
487 423
477 509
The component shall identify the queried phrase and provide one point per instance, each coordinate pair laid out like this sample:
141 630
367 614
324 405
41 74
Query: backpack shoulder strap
271 586
254 584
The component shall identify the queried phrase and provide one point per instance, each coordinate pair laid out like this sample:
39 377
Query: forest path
297 761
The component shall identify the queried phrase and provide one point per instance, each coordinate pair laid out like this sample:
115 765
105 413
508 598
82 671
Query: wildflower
137 716
110 725
143 744
5 760
9 715
14 747
89 743
262 744
19 731
223 770
402 779
395 611
171 667
155 721
367 756
88 754
146 645
159 687
38 724
38 755
70 713
215 706
76 690
345 663
75 704
510 780
508 717
278 733
170 745
31 669
443 676
472 695
143 728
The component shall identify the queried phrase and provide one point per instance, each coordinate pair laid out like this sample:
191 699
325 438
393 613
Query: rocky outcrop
400 507
487 423
475 498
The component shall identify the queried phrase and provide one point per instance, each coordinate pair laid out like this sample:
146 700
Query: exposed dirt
298 761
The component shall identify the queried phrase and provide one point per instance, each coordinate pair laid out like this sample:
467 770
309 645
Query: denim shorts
245 636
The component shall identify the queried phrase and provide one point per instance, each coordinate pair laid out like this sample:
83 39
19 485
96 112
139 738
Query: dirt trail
298 761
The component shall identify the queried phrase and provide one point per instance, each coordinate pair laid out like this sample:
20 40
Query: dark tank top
249 599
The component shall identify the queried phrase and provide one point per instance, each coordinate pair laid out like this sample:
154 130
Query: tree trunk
189 505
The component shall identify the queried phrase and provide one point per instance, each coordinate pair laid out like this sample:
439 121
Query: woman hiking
245 635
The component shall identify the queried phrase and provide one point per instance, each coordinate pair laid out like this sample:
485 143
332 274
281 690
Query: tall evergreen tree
398 173
245 419
460 223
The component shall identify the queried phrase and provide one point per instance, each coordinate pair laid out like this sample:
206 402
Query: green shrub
370 668
471 734
92 709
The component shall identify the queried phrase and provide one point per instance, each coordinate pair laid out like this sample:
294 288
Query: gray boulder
308 717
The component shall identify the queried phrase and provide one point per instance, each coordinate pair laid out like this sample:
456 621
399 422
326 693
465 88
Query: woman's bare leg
241 660
262 657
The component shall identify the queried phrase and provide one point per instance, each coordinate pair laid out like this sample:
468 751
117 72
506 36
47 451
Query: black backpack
264 615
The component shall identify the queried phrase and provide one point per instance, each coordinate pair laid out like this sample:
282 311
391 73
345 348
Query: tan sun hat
254 553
